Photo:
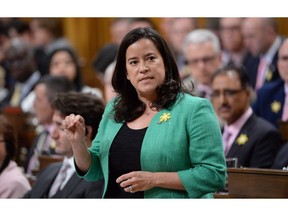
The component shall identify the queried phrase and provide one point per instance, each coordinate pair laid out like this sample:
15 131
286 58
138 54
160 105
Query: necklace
149 109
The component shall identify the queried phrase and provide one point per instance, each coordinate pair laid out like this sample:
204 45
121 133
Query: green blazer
188 143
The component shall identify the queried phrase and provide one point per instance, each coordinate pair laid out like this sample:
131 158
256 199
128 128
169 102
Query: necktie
261 73
285 109
225 138
60 178
16 95
34 162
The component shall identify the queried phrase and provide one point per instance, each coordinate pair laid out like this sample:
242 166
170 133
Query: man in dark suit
23 71
45 90
70 186
262 41
251 139
270 103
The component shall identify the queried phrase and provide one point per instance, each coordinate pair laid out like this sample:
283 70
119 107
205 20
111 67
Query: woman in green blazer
154 140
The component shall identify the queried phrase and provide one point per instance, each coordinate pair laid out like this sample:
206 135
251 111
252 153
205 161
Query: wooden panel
257 183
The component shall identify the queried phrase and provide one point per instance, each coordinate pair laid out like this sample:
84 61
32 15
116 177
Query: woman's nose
143 67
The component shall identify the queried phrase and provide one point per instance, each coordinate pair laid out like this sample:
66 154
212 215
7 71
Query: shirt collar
238 124
272 50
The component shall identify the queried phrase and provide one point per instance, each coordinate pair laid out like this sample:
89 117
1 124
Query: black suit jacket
251 66
262 145
76 187
281 159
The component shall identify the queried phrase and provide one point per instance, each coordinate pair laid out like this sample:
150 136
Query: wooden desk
257 183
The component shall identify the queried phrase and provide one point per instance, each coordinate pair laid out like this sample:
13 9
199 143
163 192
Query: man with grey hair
202 51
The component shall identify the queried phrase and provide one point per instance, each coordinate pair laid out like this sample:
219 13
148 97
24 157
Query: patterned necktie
15 100
60 178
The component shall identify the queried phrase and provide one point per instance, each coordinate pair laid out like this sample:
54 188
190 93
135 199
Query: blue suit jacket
270 101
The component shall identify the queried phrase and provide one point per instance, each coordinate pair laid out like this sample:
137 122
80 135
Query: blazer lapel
245 130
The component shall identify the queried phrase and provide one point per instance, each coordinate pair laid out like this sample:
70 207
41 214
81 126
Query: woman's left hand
137 181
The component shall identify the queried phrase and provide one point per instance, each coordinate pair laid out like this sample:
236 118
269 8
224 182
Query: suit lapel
69 186
245 130
49 179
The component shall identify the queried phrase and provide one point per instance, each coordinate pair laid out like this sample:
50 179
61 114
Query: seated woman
64 61
13 183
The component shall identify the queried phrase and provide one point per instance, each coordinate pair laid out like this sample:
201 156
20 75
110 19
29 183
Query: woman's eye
133 62
151 58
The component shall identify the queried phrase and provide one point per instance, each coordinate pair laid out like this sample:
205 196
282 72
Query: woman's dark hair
127 105
78 79
9 137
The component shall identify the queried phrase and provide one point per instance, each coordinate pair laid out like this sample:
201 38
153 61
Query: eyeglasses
205 60
226 92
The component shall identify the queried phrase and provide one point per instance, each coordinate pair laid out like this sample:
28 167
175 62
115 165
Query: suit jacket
261 146
251 65
39 140
74 188
281 159
29 86
188 143
269 102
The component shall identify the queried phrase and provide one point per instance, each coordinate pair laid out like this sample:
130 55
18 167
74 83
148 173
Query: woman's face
3 151
63 65
145 68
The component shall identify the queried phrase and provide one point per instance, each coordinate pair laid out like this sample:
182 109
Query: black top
124 157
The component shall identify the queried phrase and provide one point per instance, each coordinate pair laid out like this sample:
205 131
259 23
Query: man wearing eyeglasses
203 56
251 139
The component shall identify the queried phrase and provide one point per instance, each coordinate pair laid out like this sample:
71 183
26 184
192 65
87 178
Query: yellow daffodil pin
276 106
52 144
164 118
269 75
242 139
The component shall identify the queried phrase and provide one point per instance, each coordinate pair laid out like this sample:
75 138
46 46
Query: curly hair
89 106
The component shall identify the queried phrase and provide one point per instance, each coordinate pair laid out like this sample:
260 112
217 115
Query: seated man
253 140
59 180
273 97
45 90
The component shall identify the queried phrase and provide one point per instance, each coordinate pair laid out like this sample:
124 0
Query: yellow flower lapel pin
164 118
52 144
276 106
269 75
242 139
